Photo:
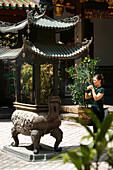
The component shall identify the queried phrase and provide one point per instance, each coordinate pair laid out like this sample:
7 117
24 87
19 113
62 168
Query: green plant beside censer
79 74
87 157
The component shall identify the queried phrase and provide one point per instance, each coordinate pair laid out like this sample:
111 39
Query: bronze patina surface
36 126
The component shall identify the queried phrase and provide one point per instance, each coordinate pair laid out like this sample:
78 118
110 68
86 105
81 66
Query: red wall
12 15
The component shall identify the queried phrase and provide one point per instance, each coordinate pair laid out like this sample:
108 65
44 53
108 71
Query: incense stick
88 78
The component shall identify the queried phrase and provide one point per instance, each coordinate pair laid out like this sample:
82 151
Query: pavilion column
55 79
33 84
37 83
17 82
62 84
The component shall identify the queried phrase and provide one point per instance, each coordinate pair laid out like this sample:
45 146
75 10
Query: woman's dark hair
99 77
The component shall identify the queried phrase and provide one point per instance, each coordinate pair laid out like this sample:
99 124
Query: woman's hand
88 94
90 87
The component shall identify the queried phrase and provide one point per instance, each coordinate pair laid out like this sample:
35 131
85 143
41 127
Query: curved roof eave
57 51
8 27
39 21
8 53
44 21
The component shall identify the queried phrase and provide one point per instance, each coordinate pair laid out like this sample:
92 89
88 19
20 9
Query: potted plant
81 75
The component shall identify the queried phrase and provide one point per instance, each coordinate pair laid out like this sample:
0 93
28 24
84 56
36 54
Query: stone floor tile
72 135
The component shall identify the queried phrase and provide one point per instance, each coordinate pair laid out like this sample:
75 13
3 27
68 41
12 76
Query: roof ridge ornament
5 24
37 16
34 17
42 8
29 14
70 19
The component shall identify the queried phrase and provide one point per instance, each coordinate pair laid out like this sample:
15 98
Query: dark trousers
100 114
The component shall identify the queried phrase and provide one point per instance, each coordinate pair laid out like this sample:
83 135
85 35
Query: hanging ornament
61 1
54 2
28 29
68 5
59 8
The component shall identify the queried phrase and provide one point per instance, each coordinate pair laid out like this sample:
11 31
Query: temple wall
103 40
103 48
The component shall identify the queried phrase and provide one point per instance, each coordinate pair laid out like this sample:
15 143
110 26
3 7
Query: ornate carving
59 9
71 19
29 15
5 24
96 13
23 121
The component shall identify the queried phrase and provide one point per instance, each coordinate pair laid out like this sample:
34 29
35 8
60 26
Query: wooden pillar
55 79
66 73
37 82
33 83
17 82
62 84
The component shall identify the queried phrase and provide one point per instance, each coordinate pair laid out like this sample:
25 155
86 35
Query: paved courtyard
72 134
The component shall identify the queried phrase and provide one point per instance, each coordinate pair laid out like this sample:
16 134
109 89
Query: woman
97 97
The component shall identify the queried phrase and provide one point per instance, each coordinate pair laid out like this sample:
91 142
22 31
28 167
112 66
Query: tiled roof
8 53
41 21
49 23
18 3
8 27
59 51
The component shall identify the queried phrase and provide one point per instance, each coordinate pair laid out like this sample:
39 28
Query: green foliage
10 75
83 156
9 40
46 82
46 76
27 82
80 79
26 78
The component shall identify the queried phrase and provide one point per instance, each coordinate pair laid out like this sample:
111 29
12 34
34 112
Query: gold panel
95 13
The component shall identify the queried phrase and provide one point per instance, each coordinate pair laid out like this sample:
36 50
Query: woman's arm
97 96
87 95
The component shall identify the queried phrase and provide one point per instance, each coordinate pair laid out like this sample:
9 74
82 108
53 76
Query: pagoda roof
6 27
41 21
8 53
57 51
18 4
47 50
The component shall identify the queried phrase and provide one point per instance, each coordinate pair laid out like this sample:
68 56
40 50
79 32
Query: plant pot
83 116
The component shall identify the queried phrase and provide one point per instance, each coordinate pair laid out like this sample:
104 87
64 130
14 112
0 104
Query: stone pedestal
25 152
